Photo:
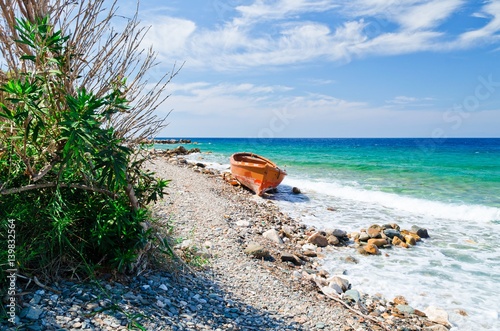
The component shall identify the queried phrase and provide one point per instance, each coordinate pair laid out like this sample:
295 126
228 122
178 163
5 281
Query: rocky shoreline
258 270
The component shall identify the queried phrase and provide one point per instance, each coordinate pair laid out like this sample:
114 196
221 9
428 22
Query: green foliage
76 192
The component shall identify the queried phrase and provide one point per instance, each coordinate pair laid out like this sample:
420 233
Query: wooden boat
256 172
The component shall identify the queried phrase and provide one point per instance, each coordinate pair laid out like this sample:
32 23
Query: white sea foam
458 269
434 209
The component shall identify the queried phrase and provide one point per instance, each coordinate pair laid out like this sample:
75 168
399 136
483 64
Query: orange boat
256 172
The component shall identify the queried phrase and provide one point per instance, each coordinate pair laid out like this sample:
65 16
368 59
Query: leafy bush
74 189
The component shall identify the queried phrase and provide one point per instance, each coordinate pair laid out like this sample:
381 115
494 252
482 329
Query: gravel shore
214 224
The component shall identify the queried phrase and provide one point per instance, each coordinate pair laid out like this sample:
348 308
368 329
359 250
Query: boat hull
256 172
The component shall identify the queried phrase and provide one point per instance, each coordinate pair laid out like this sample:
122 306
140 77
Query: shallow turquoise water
451 170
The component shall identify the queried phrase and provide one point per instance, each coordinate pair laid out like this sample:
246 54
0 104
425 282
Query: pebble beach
256 269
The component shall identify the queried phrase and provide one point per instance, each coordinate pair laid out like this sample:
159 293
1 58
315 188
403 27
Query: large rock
377 242
287 257
256 250
406 233
318 240
374 231
342 283
421 232
391 233
371 249
179 150
339 233
410 240
333 240
437 315
363 236
273 235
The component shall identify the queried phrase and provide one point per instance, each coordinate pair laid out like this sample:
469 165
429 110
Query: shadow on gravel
155 301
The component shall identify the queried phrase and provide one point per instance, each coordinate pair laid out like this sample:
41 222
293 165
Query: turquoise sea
449 186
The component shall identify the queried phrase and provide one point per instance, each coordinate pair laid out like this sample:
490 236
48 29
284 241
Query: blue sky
328 68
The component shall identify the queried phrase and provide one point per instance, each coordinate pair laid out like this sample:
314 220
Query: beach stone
328 290
363 236
396 241
273 235
333 240
410 240
400 300
33 313
256 250
405 309
421 232
287 231
377 242
287 257
374 231
296 190
339 233
342 283
318 240
352 295
437 315
309 247
371 249
310 253
243 224
404 245
391 233
406 233
351 259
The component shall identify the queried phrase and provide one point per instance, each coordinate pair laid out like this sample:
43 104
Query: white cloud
287 38
262 10
486 33
170 35
429 14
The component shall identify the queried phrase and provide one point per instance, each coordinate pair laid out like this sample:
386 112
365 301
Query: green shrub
75 191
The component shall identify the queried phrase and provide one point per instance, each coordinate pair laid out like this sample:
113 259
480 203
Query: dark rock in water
180 150
421 232
351 259
201 165
296 190
391 233
339 233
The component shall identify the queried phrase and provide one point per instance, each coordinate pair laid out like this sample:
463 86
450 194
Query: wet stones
422 233
371 249
318 240
374 231
386 236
